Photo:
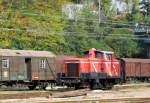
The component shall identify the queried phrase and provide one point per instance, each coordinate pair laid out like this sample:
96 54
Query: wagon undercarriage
27 84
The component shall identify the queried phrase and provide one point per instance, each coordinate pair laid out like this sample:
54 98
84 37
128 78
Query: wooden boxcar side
27 67
136 68
15 70
145 70
45 73
18 70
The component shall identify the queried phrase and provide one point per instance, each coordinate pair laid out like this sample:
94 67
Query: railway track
70 93
24 94
126 95
120 100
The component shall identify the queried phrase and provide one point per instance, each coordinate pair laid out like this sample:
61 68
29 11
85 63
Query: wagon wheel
32 87
77 86
43 86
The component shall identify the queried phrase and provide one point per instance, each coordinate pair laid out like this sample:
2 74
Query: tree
123 44
26 22
85 33
38 25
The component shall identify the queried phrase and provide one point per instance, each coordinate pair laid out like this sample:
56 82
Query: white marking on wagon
94 67
108 69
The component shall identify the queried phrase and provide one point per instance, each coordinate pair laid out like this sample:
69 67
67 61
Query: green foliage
147 20
84 34
37 25
33 28
87 33
105 6
122 45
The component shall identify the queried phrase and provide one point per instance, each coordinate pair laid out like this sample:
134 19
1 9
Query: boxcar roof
26 53
136 60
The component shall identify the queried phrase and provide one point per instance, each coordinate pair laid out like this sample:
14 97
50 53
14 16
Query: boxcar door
28 67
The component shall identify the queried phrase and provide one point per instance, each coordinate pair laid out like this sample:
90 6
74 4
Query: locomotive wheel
94 86
32 87
106 85
111 85
77 86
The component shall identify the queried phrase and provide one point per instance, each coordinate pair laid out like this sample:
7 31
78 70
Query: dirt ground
129 93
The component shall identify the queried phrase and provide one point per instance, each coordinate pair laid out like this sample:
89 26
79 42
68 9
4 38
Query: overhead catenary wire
93 20
130 24
65 17
86 19
67 24
61 32
66 33
28 30
72 34
102 36
51 31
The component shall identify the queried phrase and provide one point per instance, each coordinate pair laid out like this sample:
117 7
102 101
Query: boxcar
136 69
26 67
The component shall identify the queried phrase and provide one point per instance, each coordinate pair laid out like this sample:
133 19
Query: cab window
86 54
108 56
99 55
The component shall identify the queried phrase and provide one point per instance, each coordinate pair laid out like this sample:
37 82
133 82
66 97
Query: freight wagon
26 68
135 69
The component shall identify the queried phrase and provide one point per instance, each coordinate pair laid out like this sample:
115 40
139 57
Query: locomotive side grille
72 70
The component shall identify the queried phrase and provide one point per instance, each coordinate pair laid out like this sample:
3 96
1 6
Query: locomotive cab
99 54
96 67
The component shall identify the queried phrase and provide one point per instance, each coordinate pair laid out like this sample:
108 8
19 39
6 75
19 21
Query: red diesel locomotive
97 69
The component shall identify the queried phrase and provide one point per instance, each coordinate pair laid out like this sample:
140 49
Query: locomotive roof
101 51
26 53
93 49
136 60
106 51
